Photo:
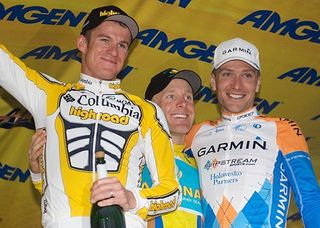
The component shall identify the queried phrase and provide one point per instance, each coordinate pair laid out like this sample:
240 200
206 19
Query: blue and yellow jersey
189 213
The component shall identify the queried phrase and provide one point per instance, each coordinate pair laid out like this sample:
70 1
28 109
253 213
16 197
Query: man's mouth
180 116
236 96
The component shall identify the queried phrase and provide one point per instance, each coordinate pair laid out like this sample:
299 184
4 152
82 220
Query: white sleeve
21 82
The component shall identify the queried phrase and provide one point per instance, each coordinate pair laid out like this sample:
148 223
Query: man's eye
105 40
226 74
249 76
124 46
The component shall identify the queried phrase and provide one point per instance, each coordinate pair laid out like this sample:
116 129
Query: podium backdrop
174 33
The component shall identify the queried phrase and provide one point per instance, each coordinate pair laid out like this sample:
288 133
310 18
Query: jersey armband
140 204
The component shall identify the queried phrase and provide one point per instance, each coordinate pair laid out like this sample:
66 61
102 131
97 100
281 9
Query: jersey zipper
95 134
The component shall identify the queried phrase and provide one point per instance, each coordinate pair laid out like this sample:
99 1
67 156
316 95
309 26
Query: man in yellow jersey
93 115
173 91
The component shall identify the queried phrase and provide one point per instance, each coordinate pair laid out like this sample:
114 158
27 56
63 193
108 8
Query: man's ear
82 43
213 81
258 84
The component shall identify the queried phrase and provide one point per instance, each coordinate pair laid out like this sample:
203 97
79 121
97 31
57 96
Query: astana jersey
86 117
189 213
248 165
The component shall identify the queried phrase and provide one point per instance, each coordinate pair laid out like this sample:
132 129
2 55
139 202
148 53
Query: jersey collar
178 148
248 115
97 85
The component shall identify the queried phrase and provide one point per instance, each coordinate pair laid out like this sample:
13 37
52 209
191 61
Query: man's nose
181 102
237 82
112 50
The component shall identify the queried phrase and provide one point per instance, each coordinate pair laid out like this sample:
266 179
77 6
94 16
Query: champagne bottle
108 216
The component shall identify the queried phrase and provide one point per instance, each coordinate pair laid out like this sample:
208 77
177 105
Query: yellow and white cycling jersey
86 117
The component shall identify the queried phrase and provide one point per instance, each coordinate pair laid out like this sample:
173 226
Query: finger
37 134
106 183
34 156
40 140
109 195
35 152
38 146
102 189
114 198
121 201
37 143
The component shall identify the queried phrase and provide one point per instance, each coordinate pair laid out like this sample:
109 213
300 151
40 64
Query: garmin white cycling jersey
89 116
248 164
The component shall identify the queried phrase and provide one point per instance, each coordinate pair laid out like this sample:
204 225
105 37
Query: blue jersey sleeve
305 186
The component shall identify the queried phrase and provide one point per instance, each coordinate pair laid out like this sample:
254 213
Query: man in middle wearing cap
173 91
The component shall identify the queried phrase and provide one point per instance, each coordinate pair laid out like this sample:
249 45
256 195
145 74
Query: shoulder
196 128
141 102
289 135
151 112
284 125
205 124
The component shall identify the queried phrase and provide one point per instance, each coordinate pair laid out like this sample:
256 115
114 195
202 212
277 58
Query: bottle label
102 171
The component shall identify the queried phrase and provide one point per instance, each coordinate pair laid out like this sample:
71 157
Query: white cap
236 49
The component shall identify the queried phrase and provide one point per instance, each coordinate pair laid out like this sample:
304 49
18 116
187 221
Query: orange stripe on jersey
289 136
189 137
226 214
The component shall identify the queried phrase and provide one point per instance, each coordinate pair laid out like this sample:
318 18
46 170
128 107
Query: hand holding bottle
109 191
105 216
